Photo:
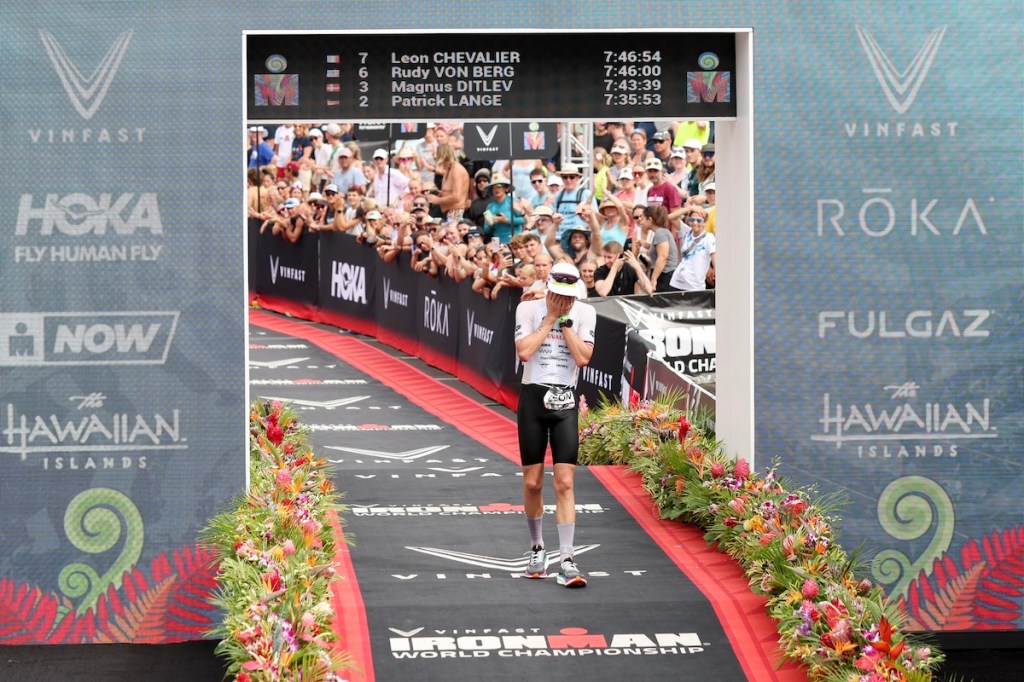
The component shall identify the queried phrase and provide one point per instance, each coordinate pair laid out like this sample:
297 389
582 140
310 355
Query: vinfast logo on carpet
516 642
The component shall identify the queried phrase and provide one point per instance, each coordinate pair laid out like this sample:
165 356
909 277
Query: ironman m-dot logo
101 338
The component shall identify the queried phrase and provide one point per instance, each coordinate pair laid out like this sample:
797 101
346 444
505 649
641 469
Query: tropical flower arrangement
841 627
276 549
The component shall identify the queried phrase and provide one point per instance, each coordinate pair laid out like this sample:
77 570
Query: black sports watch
566 322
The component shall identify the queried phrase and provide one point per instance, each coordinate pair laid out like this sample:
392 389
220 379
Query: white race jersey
552 364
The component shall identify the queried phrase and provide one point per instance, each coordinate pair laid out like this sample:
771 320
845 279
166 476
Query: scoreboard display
667 75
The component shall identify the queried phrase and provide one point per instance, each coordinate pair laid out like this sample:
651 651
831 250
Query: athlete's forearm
528 345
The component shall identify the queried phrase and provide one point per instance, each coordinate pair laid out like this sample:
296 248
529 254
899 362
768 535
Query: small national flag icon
334 102
333 59
333 87
333 73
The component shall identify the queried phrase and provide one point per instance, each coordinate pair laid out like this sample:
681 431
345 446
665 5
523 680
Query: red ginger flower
275 434
684 428
742 469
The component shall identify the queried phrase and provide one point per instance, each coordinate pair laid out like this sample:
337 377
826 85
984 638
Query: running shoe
570 575
538 566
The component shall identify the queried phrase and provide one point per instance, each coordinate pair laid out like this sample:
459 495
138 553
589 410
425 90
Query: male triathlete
554 338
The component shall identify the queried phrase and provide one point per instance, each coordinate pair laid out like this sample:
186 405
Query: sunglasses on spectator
537 181
564 278
694 219
330 194
709 155
638 175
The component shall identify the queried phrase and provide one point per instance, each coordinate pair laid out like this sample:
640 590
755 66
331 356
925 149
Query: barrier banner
634 366
601 378
680 325
252 232
395 303
288 271
486 344
661 378
347 282
437 319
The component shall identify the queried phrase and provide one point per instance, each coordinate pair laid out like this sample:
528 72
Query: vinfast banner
122 334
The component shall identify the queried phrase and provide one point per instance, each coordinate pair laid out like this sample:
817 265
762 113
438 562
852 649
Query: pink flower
742 469
767 538
243 677
809 589
731 521
718 470
284 479
288 547
583 406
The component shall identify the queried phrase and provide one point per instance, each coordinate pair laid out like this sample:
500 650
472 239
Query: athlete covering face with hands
554 337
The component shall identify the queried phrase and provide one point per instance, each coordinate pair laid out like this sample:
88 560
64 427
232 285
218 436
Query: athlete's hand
559 305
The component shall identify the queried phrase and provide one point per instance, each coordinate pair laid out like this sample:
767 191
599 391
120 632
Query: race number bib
559 399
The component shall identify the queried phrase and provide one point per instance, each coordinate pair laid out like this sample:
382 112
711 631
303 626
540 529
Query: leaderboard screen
559 76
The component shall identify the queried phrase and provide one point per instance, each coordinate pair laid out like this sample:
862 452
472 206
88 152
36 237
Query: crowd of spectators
644 224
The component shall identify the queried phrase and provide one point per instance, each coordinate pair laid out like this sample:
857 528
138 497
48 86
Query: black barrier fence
643 343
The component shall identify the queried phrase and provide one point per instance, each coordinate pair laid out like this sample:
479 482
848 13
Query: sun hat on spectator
315 196
678 153
373 215
296 184
257 129
482 173
543 210
406 153
653 164
709 147
331 188
661 135
569 169
315 132
499 180
291 203
710 187
692 143
293 166
624 172
554 181
345 151
562 280
380 154
607 203
619 148
332 129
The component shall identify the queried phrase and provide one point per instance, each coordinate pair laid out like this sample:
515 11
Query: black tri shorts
538 426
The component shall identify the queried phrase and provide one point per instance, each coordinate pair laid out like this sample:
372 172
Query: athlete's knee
563 483
533 482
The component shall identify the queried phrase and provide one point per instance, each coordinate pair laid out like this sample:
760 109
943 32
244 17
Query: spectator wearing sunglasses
480 196
543 196
706 172
697 254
